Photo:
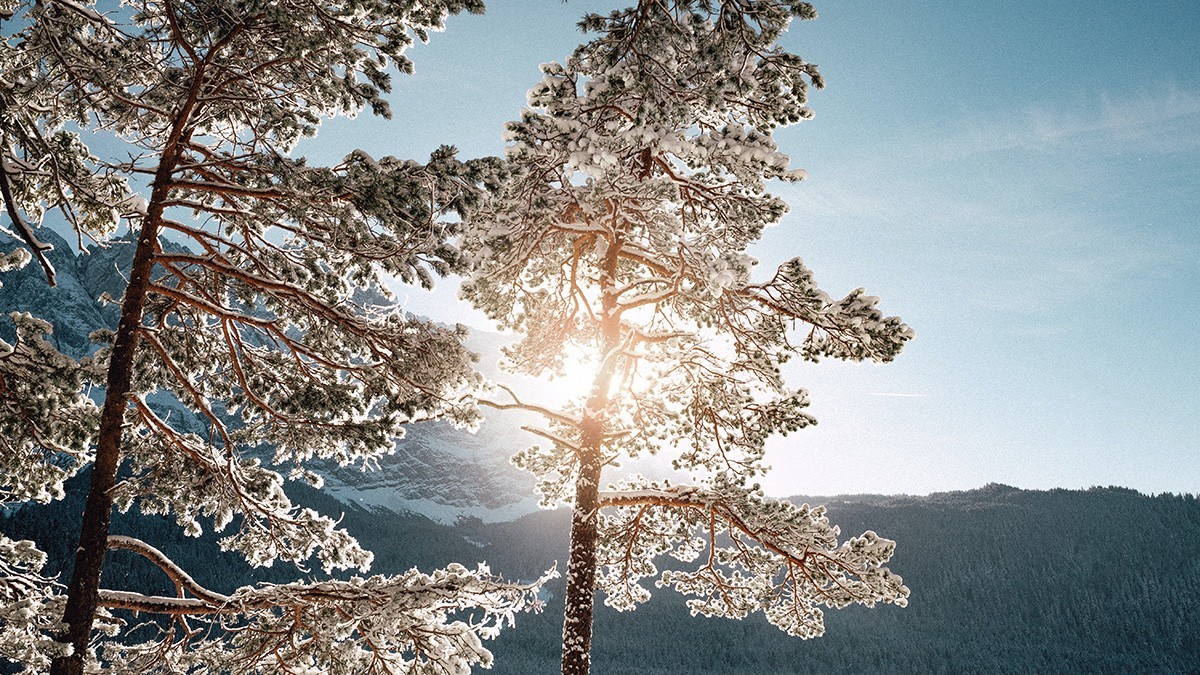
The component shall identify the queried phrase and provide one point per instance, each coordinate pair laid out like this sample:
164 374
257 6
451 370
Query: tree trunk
83 594
581 564
581 572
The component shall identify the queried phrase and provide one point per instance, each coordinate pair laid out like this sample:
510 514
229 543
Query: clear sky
1019 181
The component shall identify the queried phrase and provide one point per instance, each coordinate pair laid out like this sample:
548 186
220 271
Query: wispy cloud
1155 121
1076 218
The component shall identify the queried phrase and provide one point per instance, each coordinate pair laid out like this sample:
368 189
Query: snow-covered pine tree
243 304
639 175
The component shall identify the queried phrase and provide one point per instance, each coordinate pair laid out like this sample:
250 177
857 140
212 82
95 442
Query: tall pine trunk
581 570
83 593
581 565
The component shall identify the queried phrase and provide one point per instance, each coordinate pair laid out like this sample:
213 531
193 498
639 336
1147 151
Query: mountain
436 470
73 306
444 473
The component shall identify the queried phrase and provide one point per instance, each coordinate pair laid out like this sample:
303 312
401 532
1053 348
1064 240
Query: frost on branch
45 418
364 372
254 317
29 606
256 334
179 474
852 328
13 261
639 177
742 553
408 623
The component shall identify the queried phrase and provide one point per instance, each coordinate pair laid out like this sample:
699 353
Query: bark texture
581 566
84 590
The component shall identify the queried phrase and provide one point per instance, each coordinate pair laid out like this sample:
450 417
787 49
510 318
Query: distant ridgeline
72 306
1004 580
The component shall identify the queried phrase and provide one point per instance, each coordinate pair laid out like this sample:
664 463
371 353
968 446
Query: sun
578 375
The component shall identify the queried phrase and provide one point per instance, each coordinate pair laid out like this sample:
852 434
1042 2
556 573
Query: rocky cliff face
436 470
73 306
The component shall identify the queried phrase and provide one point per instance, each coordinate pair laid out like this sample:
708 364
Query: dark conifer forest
1004 580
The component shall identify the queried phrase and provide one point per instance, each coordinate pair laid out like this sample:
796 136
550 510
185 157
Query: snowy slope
442 473
436 470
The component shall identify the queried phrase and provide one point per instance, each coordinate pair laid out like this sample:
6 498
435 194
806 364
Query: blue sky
1019 181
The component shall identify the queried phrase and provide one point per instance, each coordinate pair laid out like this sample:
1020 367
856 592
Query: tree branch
179 577
23 228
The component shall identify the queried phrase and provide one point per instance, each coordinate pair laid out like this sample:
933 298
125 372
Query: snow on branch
850 328
37 247
754 554
30 605
410 623
518 404
44 414
182 580
220 484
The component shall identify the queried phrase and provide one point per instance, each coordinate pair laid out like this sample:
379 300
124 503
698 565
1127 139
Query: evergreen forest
1105 580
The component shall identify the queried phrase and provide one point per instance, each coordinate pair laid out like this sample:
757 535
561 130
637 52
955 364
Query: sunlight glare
578 374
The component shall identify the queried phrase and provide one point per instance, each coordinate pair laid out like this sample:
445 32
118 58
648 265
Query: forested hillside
1003 580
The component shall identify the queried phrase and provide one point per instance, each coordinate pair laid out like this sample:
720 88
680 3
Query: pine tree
639 176
244 304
